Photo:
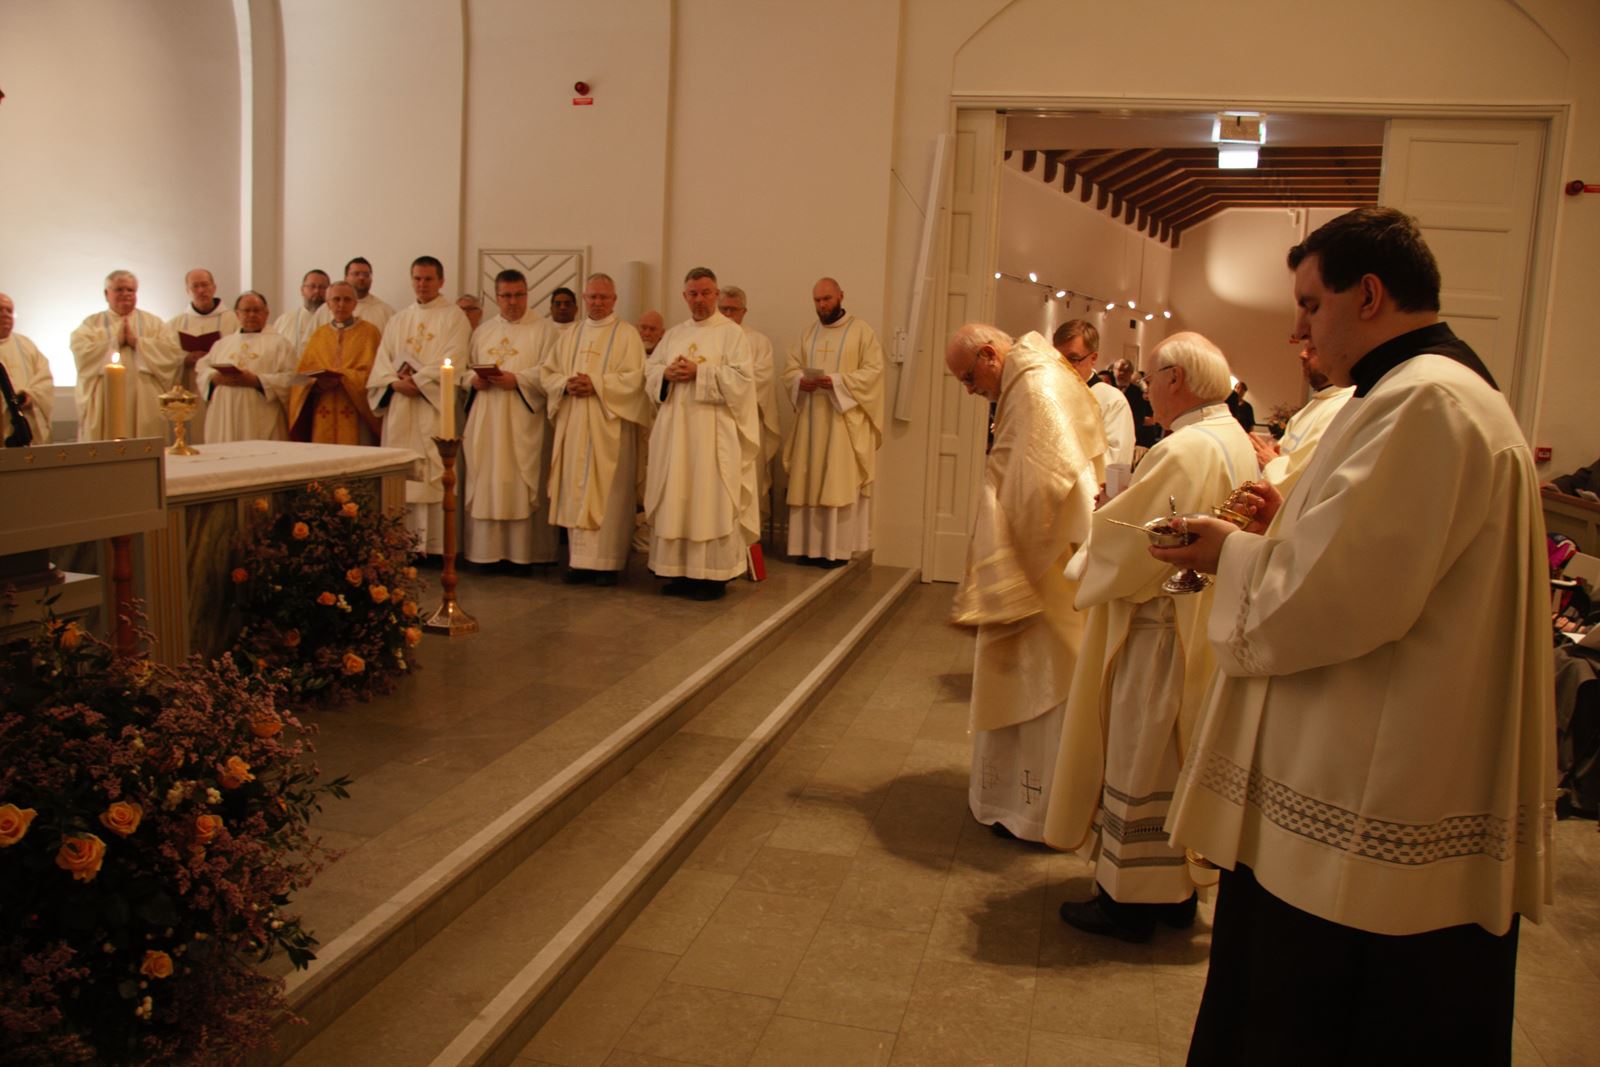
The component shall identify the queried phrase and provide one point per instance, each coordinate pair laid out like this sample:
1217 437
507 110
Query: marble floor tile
898 892
792 1042
734 841
948 721
855 975
822 824
921 818
940 763
1560 1018
815 875
589 1023
752 943
678 912
1047 1049
1177 1004
964 1013
693 1024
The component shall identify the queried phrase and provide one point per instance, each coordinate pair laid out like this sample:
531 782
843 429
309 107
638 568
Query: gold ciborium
177 407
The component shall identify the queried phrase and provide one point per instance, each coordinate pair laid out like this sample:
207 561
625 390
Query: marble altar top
236 466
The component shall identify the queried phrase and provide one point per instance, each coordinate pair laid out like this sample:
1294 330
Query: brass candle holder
449 618
178 406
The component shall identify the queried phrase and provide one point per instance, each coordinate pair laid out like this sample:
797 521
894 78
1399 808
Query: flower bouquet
153 827
328 594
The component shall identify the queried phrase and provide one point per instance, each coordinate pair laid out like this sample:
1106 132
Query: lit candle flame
116 357
447 361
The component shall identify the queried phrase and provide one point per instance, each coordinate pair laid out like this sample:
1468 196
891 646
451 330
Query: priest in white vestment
735 305
404 388
652 327
1039 488
1144 661
298 325
199 327
1078 341
147 350
834 379
369 307
505 437
563 309
595 380
700 500
32 385
245 378
1375 768
1283 462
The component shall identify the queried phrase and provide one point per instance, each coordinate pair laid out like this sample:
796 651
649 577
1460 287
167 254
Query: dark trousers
1286 987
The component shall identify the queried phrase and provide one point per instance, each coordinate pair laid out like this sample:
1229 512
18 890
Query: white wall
372 140
122 151
1072 246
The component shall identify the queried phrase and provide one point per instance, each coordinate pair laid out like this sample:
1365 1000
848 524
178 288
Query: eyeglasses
1158 370
969 378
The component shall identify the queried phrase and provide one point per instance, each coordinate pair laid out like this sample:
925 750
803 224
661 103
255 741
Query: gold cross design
825 349
419 339
590 353
503 351
693 355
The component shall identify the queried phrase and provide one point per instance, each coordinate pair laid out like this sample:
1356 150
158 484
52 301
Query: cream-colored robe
1300 437
234 413
831 455
423 335
1380 745
1204 459
343 417
30 373
596 436
765 371
220 319
298 326
504 442
154 363
700 497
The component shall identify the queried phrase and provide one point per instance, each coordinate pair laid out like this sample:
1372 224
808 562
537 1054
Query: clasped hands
493 379
404 385
580 385
1260 501
680 370
237 377
811 385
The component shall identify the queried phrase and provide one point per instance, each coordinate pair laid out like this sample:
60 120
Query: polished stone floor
847 910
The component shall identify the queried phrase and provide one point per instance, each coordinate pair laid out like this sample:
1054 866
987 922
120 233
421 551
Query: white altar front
208 496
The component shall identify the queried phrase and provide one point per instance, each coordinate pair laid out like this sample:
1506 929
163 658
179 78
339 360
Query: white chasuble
504 442
420 337
700 497
1040 482
832 450
592 466
1300 437
1380 745
239 413
198 332
30 373
1143 665
154 362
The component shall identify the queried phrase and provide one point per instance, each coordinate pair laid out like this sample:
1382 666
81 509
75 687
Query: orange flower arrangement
266 723
409 609
122 817
240 576
291 639
14 823
206 828
341 495
327 600
413 636
355 575
378 593
353 664
350 510
234 773
82 855
156 964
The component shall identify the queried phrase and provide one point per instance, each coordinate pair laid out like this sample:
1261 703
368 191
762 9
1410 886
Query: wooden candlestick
449 618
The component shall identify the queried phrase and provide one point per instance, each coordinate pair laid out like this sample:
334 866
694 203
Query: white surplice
154 362
298 326
220 319
1300 436
237 413
1117 417
504 443
592 469
764 370
700 499
30 373
423 336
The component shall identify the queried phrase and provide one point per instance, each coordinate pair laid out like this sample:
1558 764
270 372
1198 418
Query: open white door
958 423
1474 187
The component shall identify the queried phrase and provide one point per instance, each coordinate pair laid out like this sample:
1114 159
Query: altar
185 565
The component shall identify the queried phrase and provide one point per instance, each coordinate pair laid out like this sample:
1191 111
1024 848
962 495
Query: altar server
245 378
700 500
734 304
1079 344
148 351
834 379
505 440
297 325
595 381
1283 462
404 388
199 327
31 384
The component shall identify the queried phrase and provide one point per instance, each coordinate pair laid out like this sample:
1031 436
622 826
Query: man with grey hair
1039 488
735 305
1079 344
1144 661
146 348
30 388
199 327
700 499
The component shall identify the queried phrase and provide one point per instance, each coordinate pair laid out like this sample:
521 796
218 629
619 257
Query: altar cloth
234 467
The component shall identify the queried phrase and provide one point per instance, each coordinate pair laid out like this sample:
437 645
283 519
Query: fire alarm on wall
581 88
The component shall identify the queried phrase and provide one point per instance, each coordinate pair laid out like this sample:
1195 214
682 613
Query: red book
758 564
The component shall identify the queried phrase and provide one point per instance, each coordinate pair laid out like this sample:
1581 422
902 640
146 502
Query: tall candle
447 401
116 414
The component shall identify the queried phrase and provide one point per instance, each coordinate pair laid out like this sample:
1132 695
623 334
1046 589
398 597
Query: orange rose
266 723
261 505
378 593
354 664
410 573
71 636
122 817
355 575
234 773
206 828
413 636
240 576
300 531
81 854
350 510
14 823
342 495
327 600
156 964
291 639
409 609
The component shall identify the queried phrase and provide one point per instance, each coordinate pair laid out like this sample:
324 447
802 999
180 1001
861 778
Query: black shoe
1133 923
577 576
999 829
706 589
606 578
678 587
831 564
